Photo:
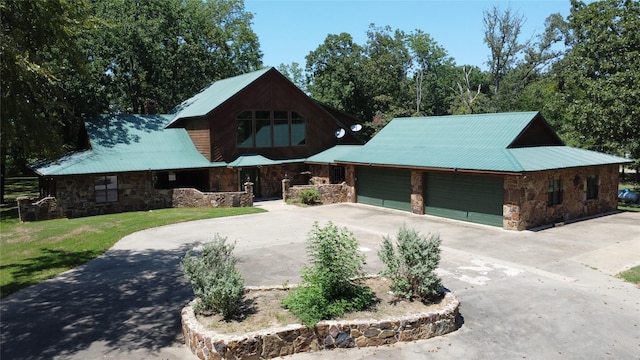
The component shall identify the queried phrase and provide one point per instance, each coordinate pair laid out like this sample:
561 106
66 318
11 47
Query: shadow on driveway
124 299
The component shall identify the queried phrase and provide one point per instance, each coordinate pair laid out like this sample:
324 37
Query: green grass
632 275
36 251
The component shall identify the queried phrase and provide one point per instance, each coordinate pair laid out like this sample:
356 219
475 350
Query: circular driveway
534 295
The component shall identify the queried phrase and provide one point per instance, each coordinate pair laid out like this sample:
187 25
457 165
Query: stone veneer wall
330 193
525 196
275 342
271 178
76 198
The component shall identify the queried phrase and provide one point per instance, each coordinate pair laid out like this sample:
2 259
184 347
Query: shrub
309 197
214 278
411 268
332 284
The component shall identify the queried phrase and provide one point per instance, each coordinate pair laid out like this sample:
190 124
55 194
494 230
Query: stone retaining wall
329 193
208 345
33 209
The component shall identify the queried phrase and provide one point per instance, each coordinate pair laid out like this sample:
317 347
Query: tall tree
433 71
335 75
386 70
471 87
164 51
39 52
501 34
599 78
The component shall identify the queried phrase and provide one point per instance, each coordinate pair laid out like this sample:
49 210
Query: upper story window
266 128
106 189
592 186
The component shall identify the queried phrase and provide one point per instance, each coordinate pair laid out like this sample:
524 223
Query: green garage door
388 188
464 197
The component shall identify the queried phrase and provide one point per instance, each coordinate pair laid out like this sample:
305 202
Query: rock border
207 344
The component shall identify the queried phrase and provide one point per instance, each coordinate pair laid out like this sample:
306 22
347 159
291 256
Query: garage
390 188
471 198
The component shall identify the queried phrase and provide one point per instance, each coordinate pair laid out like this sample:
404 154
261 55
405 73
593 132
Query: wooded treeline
62 59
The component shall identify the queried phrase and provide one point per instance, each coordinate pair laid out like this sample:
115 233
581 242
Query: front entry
252 175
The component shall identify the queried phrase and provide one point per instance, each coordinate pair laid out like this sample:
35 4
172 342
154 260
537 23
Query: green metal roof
250 160
121 143
328 156
555 157
468 142
214 95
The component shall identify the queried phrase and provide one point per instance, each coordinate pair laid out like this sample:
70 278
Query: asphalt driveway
536 295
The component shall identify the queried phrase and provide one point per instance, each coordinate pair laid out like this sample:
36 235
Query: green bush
411 267
309 197
214 278
332 284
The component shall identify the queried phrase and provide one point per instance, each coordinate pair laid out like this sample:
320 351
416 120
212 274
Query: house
507 169
253 129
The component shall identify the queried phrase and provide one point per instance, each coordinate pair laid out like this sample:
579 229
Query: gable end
537 133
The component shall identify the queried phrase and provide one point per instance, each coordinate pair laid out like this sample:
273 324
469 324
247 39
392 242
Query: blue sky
289 29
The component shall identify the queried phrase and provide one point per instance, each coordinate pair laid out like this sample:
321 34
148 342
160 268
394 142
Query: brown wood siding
272 92
198 130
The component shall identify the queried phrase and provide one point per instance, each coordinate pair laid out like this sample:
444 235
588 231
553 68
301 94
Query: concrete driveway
535 295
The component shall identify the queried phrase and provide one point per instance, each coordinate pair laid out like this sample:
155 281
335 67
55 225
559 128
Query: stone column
286 184
417 189
248 188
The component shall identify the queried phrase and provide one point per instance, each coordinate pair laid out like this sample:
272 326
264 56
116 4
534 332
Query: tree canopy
64 58
599 78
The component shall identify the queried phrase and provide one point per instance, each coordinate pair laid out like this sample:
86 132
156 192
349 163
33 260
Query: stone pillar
350 182
417 189
248 188
286 184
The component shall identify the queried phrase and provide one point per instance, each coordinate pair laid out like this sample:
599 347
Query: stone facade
525 196
271 178
417 191
329 193
209 345
76 198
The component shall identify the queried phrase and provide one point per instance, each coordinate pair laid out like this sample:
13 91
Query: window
298 129
281 128
264 128
555 192
592 186
106 189
337 174
244 129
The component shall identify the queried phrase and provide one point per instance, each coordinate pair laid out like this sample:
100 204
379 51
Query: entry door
252 175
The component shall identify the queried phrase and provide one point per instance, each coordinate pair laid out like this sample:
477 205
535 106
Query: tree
470 89
501 33
164 51
599 78
386 70
294 73
39 54
336 77
433 70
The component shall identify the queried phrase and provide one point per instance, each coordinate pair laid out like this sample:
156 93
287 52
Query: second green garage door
390 188
464 197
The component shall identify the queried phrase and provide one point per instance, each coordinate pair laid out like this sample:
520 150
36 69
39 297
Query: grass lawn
36 251
632 275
